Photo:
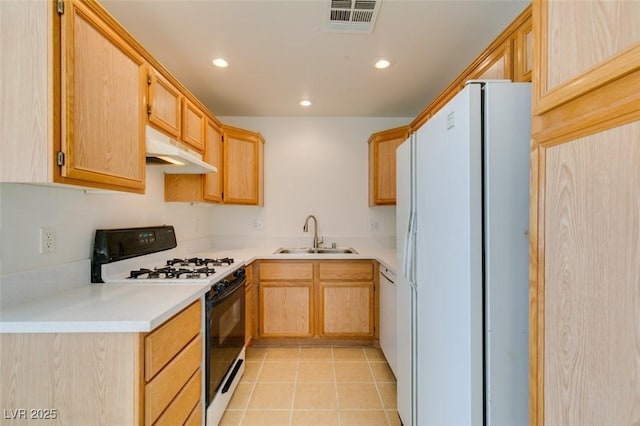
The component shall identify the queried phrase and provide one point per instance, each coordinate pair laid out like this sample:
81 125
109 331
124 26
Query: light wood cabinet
523 52
346 298
249 306
584 210
109 378
243 166
286 299
239 157
193 125
102 102
321 298
382 165
164 104
213 154
79 115
496 66
507 57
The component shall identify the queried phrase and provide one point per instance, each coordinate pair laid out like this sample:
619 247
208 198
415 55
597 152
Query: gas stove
195 268
149 255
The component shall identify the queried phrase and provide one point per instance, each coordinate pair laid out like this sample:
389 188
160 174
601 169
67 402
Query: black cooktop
112 245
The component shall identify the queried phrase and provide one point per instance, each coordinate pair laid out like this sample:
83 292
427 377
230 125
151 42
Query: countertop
101 308
386 257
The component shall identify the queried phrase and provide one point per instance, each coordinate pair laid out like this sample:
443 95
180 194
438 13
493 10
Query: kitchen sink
320 250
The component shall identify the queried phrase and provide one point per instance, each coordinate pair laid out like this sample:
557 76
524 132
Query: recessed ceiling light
220 63
305 102
382 64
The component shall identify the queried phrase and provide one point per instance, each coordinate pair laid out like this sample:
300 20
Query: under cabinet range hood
174 156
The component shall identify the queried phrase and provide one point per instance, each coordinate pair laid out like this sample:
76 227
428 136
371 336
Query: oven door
225 335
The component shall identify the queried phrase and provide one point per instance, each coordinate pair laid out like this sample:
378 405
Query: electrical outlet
257 224
47 240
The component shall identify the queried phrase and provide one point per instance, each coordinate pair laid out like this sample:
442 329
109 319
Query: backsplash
76 214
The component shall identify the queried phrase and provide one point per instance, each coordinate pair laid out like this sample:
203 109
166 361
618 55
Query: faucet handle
320 241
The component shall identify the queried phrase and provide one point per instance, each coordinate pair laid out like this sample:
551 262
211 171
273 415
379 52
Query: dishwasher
388 332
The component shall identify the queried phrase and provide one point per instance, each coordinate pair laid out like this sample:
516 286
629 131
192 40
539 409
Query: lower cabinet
173 376
346 298
107 378
286 299
331 299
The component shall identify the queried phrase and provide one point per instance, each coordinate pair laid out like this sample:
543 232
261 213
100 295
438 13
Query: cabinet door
346 309
193 124
164 104
576 51
103 112
213 155
523 56
497 66
382 165
590 293
243 166
286 309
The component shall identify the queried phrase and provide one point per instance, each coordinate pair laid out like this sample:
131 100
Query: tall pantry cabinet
585 213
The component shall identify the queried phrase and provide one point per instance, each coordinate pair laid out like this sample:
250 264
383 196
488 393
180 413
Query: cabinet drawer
342 270
166 385
195 418
181 407
167 340
286 271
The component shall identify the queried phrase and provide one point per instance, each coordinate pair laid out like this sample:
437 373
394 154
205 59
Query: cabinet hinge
148 109
60 158
60 7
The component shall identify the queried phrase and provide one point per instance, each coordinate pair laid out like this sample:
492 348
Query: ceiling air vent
358 16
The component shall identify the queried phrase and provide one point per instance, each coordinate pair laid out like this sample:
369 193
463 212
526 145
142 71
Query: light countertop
101 308
386 257
122 308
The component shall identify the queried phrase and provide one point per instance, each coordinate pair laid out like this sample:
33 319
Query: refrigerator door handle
410 244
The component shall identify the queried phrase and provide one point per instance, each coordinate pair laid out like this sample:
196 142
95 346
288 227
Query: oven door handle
237 284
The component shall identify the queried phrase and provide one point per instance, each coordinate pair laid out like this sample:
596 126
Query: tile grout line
253 388
335 386
295 386
375 383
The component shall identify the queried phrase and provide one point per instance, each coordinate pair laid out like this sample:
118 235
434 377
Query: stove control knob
221 286
239 273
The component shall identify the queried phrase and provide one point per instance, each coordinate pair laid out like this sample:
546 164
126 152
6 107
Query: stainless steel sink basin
310 250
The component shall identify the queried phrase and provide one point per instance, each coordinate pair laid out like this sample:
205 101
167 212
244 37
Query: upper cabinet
74 104
164 104
213 154
193 124
523 52
496 65
508 57
77 93
102 95
243 165
171 111
603 57
382 165
238 155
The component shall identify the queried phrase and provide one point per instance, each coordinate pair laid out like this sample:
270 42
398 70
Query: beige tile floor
314 386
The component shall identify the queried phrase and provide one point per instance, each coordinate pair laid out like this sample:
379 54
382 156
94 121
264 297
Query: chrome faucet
305 228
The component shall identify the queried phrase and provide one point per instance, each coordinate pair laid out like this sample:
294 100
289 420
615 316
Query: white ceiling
280 51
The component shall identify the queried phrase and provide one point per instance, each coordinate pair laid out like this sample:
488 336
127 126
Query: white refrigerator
462 245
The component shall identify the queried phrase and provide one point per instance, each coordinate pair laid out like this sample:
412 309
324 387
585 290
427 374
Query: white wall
75 215
314 166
